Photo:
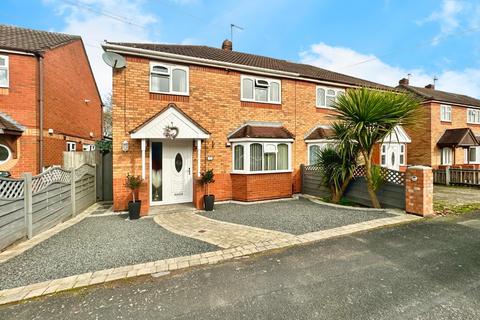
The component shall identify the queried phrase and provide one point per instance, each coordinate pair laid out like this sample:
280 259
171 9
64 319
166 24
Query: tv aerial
114 60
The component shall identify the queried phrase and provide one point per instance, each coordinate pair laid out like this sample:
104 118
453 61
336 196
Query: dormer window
326 97
260 89
170 79
4 71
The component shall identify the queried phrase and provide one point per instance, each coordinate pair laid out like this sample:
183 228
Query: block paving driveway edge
98 277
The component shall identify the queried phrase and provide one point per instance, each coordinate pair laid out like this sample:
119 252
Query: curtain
256 157
179 80
238 158
270 161
314 154
282 151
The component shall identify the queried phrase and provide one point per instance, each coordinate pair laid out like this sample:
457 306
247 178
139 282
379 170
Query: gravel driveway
97 243
293 216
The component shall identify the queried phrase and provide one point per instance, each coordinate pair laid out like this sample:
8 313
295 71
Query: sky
377 40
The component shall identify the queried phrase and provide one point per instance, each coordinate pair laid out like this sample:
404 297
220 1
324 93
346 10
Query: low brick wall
254 187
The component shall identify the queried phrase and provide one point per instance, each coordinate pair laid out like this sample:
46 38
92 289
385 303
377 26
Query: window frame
401 154
246 143
9 154
477 111
448 111
442 156
383 155
337 91
170 68
468 153
88 147
255 79
69 146
7 68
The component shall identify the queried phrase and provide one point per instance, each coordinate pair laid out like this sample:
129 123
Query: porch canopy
170 123
398 135
320 133
454 138
8 126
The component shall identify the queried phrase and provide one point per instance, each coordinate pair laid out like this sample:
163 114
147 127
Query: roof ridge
42 31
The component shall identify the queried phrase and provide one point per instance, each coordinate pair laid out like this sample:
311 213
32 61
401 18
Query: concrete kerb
103 276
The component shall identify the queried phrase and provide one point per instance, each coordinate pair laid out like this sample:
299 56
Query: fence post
72 190
302 175
94 182
27 196
447 176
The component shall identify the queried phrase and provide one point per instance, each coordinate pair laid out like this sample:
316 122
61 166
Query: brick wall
68 83
423 149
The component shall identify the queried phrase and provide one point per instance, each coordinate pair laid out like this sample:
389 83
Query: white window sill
4 87
264 102
450 121
261 172
172 93
328 108
473 122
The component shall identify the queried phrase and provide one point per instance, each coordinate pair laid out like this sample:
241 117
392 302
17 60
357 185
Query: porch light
125 146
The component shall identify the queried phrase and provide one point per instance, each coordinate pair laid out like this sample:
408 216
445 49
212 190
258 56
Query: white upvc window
4 72
88 147
446 156
472 155
262 90
327 96
445 113
71 146
5 153
383 155
402 155
314 149
170 79
261 156
473 116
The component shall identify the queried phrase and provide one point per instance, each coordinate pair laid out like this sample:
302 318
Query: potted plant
133 183
208 199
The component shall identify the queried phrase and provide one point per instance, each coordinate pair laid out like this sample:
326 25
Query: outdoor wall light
413 178
125 146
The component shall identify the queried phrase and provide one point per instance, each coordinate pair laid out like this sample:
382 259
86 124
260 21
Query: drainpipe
39 56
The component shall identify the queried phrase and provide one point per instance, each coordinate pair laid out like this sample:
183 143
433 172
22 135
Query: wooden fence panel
391 194
51 207
12 221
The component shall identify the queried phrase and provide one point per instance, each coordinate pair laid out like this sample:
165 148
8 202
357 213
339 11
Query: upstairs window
171 79
88 147
473 116
326 97
445 113
71 146
260 89
4 71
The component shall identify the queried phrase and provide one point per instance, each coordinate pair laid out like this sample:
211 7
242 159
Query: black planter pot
209 201
134 209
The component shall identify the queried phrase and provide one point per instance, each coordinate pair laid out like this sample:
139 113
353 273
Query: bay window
446 156
170 79
326 97
261 156
260 89
4 71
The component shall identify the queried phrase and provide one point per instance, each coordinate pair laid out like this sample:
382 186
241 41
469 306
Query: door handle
189 173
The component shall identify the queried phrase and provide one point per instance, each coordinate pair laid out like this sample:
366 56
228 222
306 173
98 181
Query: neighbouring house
49 101
449 134
181 109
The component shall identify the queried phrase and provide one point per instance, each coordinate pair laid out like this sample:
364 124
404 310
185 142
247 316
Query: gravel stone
293 216
97 243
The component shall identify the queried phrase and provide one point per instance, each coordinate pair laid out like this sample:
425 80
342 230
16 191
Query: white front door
392 156
177 178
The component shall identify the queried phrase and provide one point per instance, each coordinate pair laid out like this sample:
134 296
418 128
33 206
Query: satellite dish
114 60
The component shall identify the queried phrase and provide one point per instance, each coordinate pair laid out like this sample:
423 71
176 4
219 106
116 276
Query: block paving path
219 233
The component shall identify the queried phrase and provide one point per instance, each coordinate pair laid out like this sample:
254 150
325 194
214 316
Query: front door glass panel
156 177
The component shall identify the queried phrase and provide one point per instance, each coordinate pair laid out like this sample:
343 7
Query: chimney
430 86
403 82
227 45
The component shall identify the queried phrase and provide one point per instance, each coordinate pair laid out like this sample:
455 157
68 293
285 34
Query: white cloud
99 20
369 67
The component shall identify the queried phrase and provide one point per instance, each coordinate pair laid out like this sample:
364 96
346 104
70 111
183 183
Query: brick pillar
419 190
198 192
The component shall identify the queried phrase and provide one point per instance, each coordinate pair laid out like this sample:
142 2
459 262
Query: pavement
423 270
294 216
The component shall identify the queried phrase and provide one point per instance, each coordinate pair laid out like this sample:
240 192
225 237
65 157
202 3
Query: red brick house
49 101
179 110
449 133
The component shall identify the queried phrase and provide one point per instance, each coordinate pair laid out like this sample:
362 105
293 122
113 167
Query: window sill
262 102
327 108
446 121
172 93
260 172
473 123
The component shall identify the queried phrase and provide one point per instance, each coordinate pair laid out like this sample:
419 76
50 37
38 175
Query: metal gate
105 177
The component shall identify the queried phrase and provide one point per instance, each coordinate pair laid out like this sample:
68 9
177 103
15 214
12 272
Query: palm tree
369 116
337 163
